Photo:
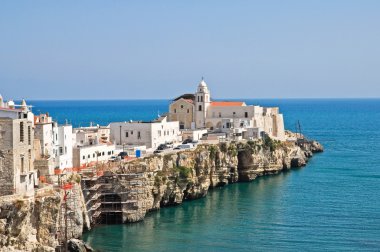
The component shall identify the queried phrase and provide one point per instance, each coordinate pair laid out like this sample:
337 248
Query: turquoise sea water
332 204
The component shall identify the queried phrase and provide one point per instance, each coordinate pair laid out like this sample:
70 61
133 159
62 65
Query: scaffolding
68 207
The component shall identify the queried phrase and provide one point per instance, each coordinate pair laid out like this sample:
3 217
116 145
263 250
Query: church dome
11 104
202 83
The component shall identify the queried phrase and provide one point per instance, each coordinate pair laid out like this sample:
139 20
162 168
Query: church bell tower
202 102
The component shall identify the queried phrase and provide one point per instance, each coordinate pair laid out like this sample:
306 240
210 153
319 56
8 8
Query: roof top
227 104
202 83
186 97
11 109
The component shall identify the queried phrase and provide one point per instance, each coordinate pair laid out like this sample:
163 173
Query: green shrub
270 144
184 172
223 147
212 149
232 150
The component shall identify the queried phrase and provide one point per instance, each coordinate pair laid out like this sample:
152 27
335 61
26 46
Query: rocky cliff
140 186
163 180
37 223
29 224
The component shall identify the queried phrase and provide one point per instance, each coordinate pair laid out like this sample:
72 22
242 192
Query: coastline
164 180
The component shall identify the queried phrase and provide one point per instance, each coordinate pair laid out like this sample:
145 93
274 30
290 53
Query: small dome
11 104
202 83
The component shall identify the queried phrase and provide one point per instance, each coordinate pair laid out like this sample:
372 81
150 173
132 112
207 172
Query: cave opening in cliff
111 218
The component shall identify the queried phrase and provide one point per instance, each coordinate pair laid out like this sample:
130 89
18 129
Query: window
22 164
181 126
181 106
103 153
88 156
65 149
200 108
126 134
175 110
159 133
138 135
220 114
246 114
131 132
21 131
109 153
188 110
201 98
60 150
198 98
93 155
29 135
112 152
84 157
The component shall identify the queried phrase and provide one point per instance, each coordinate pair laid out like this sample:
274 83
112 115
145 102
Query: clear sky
160 49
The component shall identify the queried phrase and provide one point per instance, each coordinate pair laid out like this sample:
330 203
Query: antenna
298 129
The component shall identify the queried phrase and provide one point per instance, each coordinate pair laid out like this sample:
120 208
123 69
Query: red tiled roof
227 104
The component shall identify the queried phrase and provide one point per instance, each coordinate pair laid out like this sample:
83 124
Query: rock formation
163 180
140 186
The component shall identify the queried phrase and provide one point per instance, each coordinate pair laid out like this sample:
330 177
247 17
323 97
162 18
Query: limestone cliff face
143 185
29 224
163 180
37 223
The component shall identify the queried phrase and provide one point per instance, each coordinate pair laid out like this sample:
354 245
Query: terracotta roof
227 104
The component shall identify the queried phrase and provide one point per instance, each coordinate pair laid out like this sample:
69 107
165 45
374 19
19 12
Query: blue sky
159 49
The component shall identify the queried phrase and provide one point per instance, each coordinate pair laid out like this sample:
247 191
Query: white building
63 146
232 117
193 134
92 145
151 134
91 154
55 145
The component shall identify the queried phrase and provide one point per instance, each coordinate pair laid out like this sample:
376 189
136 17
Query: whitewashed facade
151 134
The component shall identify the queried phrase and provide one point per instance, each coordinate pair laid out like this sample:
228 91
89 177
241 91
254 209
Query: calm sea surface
332 204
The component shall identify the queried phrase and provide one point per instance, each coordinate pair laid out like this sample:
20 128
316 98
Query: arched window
201 98
200 108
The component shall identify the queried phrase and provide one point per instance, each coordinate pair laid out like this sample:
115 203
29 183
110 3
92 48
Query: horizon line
169 99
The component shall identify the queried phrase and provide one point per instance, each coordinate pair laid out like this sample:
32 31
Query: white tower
202 102
1 102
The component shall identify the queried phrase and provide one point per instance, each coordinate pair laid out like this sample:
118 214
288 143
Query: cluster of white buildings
235 119
32 146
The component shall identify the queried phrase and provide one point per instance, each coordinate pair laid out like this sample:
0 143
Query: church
198 111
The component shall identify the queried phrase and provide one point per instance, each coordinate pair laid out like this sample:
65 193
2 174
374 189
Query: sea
332 204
